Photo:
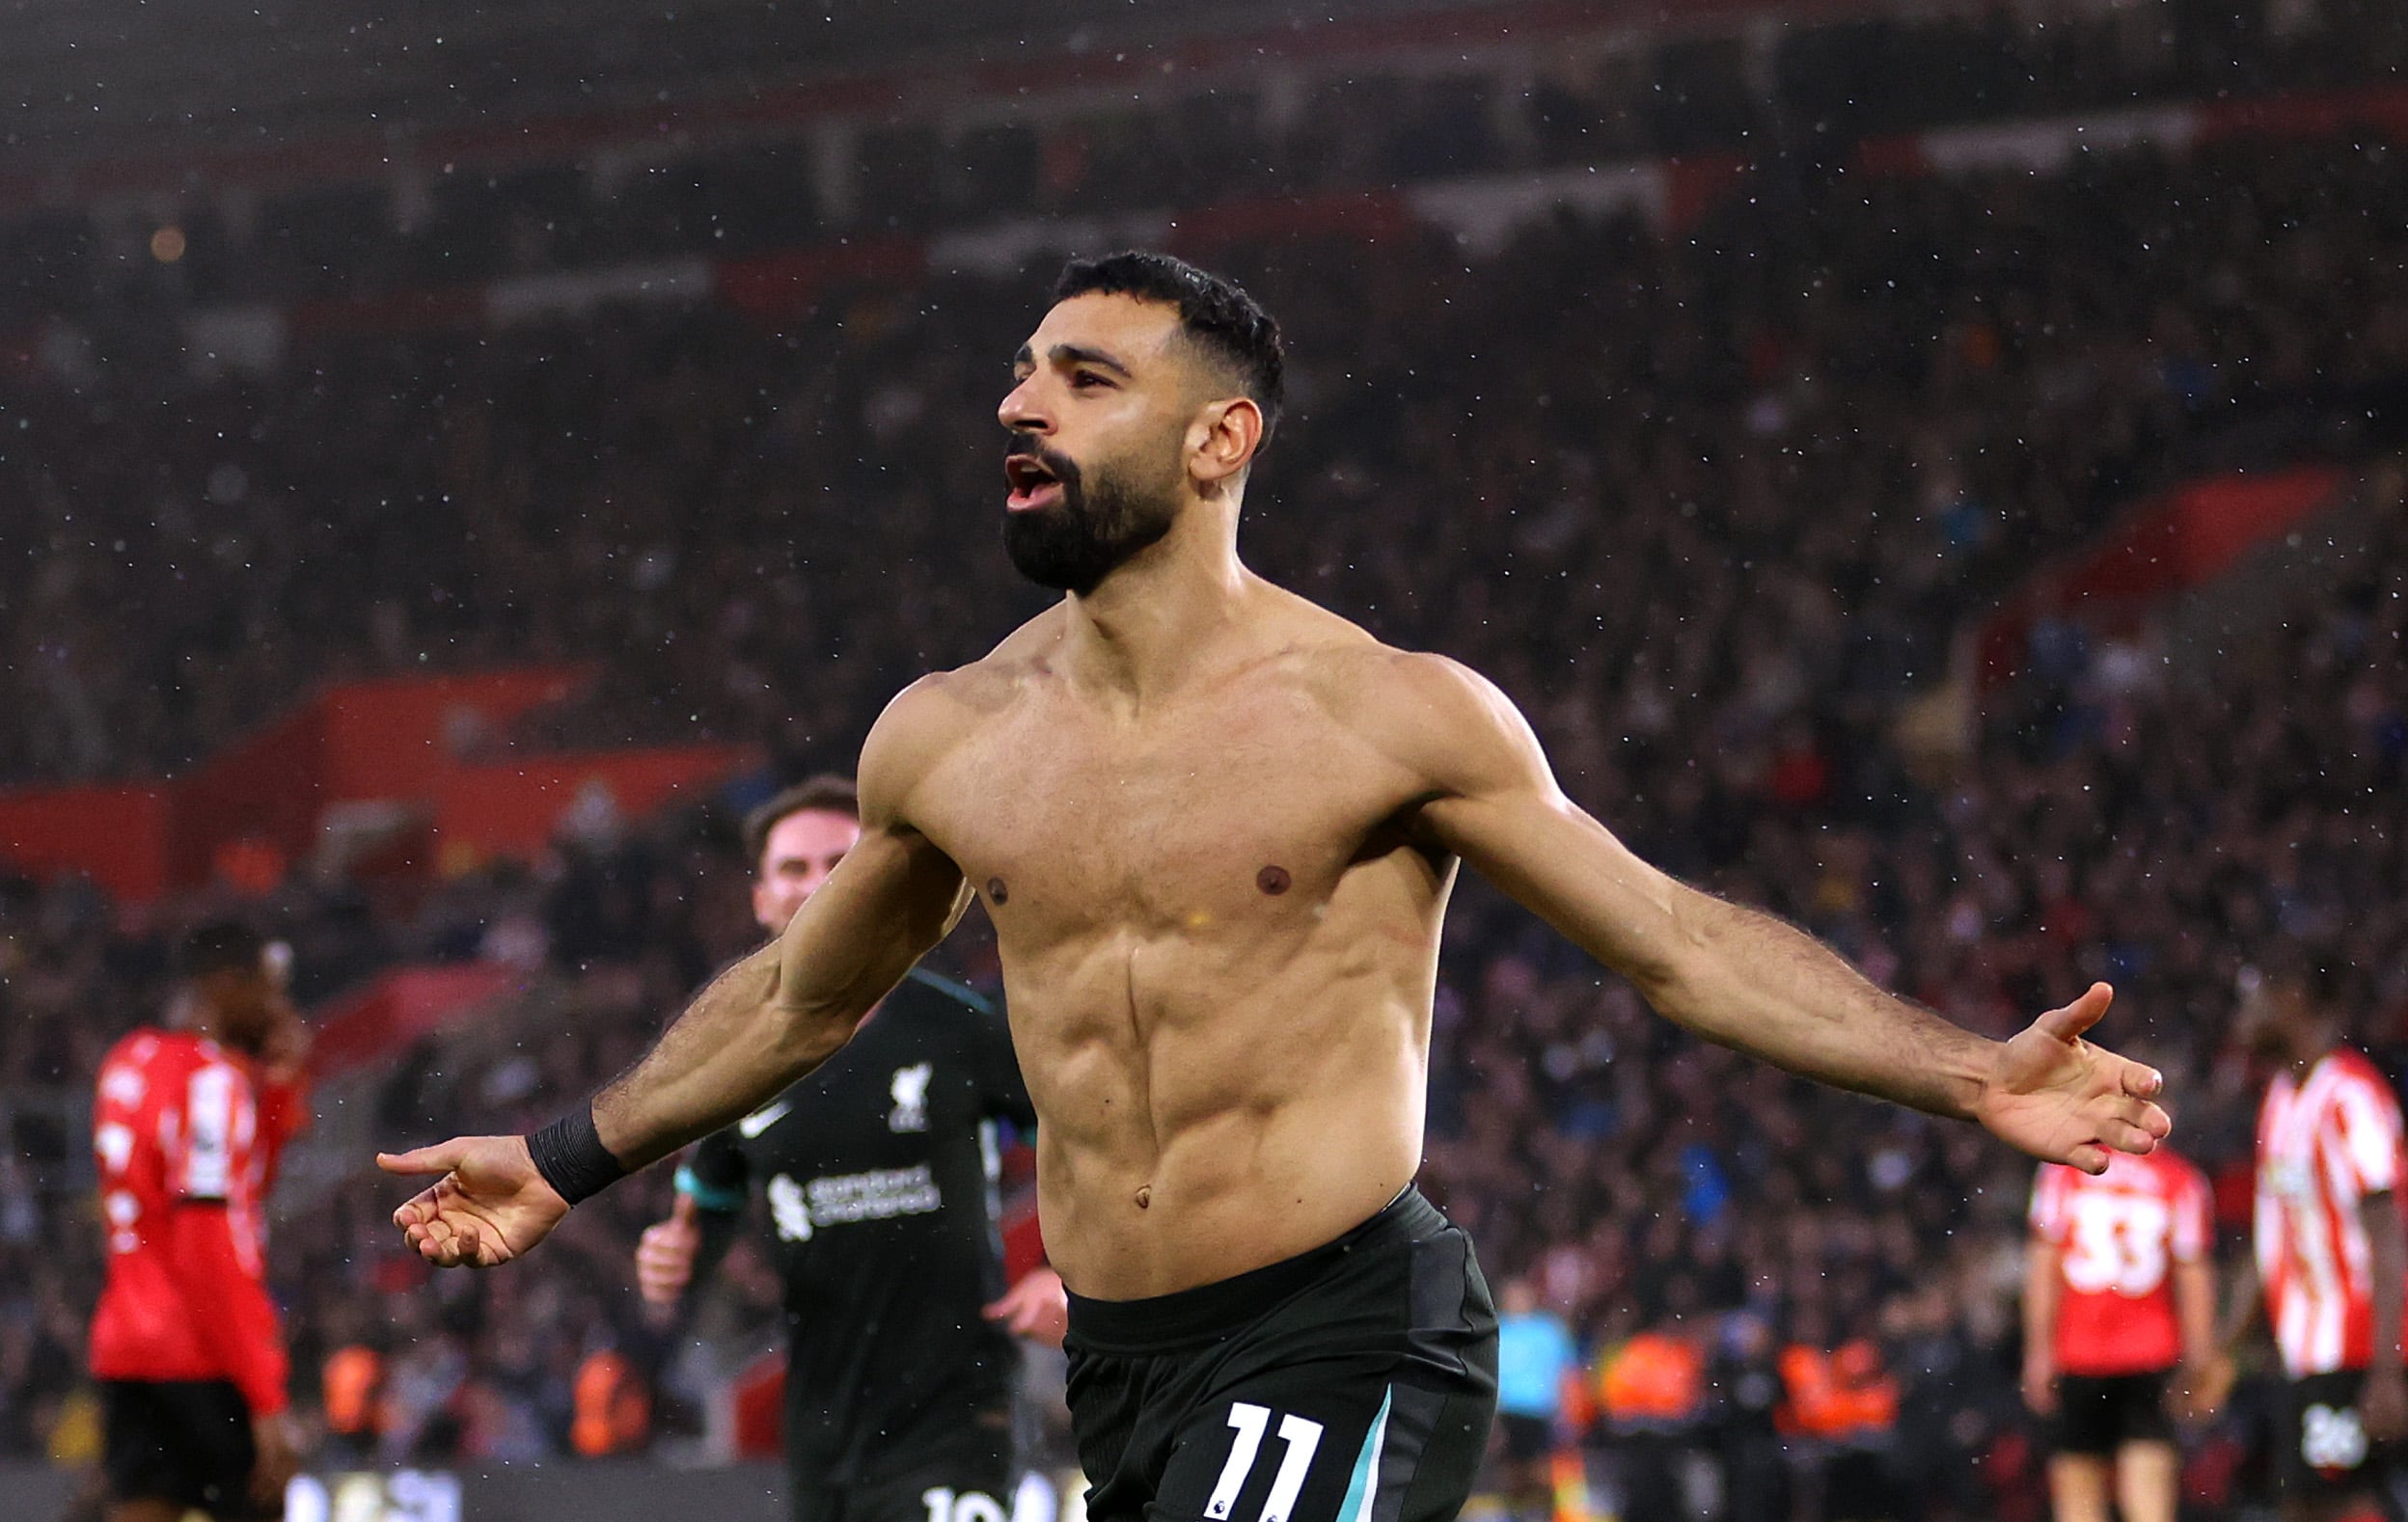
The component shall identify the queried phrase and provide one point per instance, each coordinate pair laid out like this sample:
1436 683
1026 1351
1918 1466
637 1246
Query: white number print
2117 1242
968 1506
2331 1439
1300 1438
214 1123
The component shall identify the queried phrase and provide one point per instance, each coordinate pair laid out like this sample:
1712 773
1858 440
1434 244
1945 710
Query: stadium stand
1729 500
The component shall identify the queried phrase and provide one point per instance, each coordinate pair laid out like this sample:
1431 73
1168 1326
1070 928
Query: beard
1101 522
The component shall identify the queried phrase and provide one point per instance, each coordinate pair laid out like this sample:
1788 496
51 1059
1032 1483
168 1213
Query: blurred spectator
1535 1359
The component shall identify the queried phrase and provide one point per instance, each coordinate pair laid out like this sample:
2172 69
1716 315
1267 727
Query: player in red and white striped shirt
2331 1257
2119 1290
187 1127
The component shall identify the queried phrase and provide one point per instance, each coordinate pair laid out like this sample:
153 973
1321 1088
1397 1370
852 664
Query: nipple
1145 1195
1272 880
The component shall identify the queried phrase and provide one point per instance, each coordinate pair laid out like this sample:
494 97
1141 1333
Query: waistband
1210 1312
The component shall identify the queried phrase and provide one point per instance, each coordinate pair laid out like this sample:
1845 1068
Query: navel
1272 880
996 893
1145 1195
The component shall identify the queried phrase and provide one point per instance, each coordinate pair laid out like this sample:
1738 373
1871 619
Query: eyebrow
1070 354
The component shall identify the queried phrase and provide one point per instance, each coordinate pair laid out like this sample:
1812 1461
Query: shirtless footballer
1215 827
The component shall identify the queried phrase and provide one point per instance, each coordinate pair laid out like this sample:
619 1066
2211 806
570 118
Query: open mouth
1032 484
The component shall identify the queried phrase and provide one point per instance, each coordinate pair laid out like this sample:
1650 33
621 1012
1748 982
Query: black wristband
570 1156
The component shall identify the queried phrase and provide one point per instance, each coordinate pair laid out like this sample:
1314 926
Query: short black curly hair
1215 312
221 945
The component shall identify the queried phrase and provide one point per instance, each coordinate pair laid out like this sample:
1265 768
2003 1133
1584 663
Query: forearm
2242 1307
787 1008
736 1045
2384 1234
2195 1310
1746 980
2042 1289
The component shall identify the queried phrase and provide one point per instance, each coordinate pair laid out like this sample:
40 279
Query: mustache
1061 467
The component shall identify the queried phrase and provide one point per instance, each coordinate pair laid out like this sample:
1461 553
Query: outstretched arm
782 1011
2384 1402
759 1025
1732 974
2043 1290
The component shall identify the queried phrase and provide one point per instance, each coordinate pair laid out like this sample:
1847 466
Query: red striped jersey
2118 1234
2324 1144
184 1162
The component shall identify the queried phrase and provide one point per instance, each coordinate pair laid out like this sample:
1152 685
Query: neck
1138 635
209 1028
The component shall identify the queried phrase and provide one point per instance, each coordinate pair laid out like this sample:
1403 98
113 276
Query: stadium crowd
1915 385
1714 511
1474 101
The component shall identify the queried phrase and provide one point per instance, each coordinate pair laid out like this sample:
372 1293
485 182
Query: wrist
570 1156
1971 1076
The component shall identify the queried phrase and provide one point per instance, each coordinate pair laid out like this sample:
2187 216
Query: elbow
805 1036
1673 970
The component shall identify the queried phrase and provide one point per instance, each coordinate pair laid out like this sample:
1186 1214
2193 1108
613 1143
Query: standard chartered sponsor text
879 1195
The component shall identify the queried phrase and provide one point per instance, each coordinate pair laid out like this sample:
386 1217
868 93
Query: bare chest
1209 816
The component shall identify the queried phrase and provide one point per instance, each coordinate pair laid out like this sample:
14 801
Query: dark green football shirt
879 1171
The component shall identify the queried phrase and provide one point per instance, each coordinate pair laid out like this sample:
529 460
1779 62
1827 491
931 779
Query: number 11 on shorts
1251 1421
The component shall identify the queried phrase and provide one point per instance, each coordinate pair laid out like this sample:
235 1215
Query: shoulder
2344 1077
134 1048
131 1069
167 1053
2168 1171
1433 714
922 723
2357 1070
942 704
2052 1182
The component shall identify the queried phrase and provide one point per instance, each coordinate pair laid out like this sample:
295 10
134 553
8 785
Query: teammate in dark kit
879 1169
1216 827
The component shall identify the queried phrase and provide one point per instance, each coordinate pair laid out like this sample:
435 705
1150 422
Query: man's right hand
664 1256
275 1459
489 1207
2199 1390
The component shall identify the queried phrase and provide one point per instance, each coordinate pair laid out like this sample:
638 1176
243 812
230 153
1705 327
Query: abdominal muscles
1184 1137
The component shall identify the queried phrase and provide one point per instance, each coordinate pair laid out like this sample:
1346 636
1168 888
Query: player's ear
1223 439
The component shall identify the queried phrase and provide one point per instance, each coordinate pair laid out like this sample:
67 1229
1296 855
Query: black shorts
1352 1383
2097 1414
183 1441
2324 1447
969 1479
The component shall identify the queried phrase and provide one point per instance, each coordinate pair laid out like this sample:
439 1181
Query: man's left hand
2059 1098
1035 1308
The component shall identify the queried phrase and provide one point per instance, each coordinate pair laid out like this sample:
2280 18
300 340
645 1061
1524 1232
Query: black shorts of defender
1352 1383
2322 1451
971 1482
183 1441
2097 1414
